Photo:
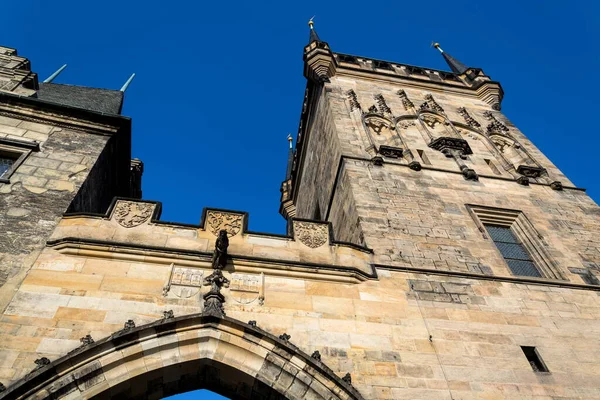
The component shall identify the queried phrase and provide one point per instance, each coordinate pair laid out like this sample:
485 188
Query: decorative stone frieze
218 220
86 340
311 234
130 214
472 122
494 126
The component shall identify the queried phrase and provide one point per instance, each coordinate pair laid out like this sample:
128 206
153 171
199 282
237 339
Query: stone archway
176 355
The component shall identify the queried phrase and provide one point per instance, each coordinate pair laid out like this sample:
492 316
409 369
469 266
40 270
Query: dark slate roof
99 100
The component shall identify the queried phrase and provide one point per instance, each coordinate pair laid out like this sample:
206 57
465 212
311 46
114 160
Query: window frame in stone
16 150
535 360
526 234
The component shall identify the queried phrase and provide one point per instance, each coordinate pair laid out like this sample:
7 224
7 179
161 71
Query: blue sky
219 84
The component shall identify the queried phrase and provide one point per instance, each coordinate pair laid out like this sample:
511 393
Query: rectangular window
6 163
522 247
12 154
515 255
534 359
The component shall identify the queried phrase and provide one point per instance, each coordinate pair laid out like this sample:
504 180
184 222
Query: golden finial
310 22
437 46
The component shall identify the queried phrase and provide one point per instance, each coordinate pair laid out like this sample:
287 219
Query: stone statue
219 259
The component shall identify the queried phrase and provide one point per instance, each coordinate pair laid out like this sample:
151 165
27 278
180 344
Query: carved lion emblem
216 221
312 235
130 214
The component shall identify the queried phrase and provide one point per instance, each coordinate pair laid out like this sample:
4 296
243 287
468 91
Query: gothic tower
62 148
421 166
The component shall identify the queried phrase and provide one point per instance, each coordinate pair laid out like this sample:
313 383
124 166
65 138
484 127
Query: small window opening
6 163
493 167
423 157
534 359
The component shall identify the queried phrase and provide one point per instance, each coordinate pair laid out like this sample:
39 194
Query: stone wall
400 334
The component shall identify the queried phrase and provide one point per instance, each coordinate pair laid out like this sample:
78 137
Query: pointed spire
456 66
126 85
288 173
55 74
313 34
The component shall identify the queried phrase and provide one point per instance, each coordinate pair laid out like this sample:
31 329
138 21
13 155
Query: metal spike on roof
126 85
456 66
55 74
313 34
288 173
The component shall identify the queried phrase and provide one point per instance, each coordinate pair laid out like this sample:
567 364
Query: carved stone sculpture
347 378
523 180
469 173
390 151
130 214
495 126
252 323
129 325
219 259
213 300
316 355
168 314
86 340
556 185
415 165
310 234
41 362
285 337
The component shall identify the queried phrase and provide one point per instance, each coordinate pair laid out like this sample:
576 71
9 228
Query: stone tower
416 164
432 253
62 148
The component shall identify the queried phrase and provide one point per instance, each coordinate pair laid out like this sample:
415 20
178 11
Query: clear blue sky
219 84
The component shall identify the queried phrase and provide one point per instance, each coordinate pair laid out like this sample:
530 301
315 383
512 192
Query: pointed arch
180 354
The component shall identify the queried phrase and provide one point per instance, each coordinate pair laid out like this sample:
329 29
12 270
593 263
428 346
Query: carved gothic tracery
494 126
354 104
468 119
129 213
311 234
218 221
431 103
382 104
405 100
